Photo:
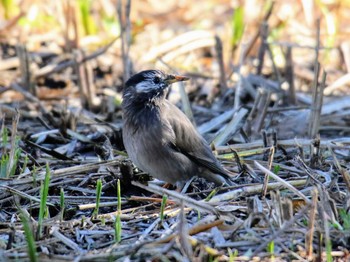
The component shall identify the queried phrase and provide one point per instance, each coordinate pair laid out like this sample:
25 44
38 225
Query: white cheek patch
144 87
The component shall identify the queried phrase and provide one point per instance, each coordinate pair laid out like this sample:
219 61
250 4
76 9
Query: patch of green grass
232 255
10 154
276 169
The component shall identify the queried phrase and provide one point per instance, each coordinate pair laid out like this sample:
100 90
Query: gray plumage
158 136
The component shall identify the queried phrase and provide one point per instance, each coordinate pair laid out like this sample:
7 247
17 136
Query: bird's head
147 86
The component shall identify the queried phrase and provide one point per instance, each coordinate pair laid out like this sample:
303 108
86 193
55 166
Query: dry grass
278 123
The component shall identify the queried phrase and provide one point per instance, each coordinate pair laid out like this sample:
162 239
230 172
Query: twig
220 58
279 232
85 81
125 32
33 99
257 34
275 69
25 69
12 153
264 30
178 197
50 69
290 76
231 128
244 191
65 240
266 178
317 107
341 170
310 235
240 80
315 81
285 183
262 107
14 191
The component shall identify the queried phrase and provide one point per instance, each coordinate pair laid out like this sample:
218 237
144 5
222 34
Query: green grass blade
25 163
98 197
3 165
44 191
162 207
118 224
87 19
237 25
62 204
31 249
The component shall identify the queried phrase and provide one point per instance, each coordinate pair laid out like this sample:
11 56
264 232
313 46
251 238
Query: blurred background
172 34
258 70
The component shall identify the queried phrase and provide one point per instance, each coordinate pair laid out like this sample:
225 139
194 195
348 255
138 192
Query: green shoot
82 221
98 197
118 224
237 24
232 255
31 249
16 156
4 136
25 163
198 215
5 157
276 169
3 165
212 193
162 207
87 20
62 204
44 191
271 249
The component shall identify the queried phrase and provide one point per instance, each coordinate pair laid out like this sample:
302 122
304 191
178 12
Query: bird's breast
145 133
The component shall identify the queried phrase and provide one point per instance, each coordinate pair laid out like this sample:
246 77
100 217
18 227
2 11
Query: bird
159 138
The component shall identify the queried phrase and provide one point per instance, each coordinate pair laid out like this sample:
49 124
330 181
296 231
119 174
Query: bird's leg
166 186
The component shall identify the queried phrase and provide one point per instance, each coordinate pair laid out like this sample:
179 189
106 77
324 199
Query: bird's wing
189 142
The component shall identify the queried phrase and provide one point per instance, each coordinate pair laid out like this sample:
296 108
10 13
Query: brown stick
290 76
220 58
125 29
264 29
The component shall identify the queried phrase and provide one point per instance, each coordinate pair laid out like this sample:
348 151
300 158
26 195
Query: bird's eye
156 80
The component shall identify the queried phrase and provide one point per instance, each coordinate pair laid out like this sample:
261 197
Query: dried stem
220 58
125 32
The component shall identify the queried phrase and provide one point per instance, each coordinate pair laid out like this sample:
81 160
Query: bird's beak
175 78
